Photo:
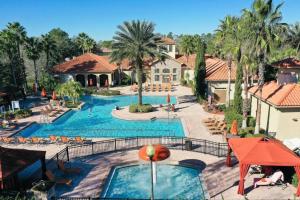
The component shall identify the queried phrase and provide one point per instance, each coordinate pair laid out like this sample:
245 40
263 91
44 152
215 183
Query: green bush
295 180
71 104
183 82
221 107
230 115
23 113
249 135
108 92
90 90
251 121
126 80
248 130
7 115
145 108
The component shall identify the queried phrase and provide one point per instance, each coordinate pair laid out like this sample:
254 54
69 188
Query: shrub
23 113
71 104
251 121
249 135
90 90
7 115
230 115
145 108
126 80
221 107
295 180
183 82
248 130
108 92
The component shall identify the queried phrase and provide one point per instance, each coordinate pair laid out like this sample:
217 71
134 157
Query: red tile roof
287 63
88 62
287 95
168 41
216 69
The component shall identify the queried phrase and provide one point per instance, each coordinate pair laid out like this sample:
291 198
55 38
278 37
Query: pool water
95 120
173 182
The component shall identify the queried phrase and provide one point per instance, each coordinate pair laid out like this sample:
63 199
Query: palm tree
186 45
19 34
49 47
228 39
265 22
85 43
136 41
33 49
293 36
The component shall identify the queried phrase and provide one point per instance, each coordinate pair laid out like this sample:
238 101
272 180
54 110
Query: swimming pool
95 120
173 182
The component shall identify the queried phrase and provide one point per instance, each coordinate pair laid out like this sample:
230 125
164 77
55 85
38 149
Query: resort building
280 109
288 66
89 69
169 46
216 75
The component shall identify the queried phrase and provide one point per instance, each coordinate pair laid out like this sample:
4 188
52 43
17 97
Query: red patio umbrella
91 82
106 83
54 95
168 99
234 127
44 93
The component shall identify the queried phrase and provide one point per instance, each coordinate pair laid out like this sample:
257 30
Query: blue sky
99 18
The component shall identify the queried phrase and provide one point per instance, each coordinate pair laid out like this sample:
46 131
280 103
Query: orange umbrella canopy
160 153
234 128
106 83
168 99
54 95
43 94
91 81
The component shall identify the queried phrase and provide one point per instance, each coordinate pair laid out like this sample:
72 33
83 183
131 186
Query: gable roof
285 95
168 41
87 62
216 69
287 63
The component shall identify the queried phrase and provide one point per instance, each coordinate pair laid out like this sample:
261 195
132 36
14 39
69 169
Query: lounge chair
221 130
49 111
69 170
219 125
22 140
8 140
36 140
53 139
157 88
79 140
256 169
63 181
65 140
277 178
152 88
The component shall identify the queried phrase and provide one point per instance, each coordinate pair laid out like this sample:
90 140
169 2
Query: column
109 79
98 80
86 80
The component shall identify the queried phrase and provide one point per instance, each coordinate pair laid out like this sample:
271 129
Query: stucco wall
167 64
280 120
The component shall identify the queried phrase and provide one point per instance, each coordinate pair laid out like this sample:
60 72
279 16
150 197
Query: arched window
166 70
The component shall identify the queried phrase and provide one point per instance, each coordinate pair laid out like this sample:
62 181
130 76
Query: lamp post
150 153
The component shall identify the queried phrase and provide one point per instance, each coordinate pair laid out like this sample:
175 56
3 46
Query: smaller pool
173 182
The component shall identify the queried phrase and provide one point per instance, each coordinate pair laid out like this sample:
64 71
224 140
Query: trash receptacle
188 145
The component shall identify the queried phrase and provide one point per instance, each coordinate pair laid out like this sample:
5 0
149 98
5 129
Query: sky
99 18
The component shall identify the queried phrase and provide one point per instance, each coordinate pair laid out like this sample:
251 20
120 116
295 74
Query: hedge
230 115
108 92
23 113
145 108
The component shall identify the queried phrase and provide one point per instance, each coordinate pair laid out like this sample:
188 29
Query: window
156 71
174 70
166 70
174 78
156 77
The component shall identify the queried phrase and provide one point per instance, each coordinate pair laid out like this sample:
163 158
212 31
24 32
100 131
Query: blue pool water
173 182
95 120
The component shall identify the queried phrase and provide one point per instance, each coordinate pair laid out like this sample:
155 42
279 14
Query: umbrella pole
152 186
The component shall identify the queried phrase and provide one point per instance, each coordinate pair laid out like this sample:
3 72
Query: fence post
92 148
67 149
182 143
218 149
205 146
115 144
137 142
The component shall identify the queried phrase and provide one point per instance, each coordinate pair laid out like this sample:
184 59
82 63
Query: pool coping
104 187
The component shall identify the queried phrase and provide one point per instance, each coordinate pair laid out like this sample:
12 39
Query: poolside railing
131 143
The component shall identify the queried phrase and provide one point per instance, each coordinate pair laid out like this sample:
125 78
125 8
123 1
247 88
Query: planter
43 190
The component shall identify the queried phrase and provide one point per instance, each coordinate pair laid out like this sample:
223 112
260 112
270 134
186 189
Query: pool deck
220 181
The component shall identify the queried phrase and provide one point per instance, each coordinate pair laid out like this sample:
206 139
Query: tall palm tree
228 39
19 36
265 22
136 41
293 36
33 49
85 43
187 45
49 47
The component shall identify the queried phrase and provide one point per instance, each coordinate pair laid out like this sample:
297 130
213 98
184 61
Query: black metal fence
123 144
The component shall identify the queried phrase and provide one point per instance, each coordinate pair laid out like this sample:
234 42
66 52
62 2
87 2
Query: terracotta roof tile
167 40
88 62
286 95
287 63
216 69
